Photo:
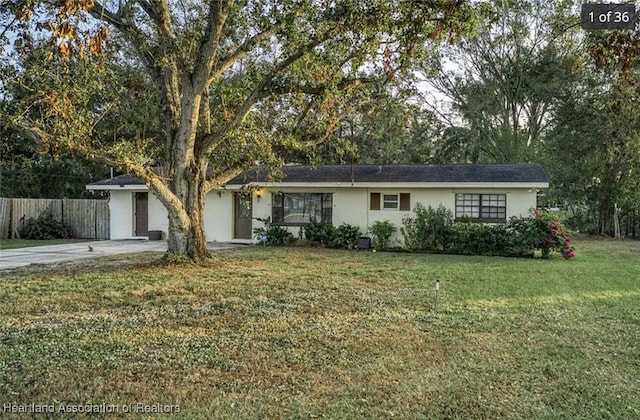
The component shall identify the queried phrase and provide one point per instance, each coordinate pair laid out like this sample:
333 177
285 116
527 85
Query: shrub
542 232
471 238
381 232
318 233
45 227
271 234
345 236
429 230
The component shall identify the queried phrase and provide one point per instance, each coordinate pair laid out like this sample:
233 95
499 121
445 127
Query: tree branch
218 13
285 88
227 62
225 176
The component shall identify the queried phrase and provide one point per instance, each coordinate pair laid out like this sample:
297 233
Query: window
390 201
301 208
400 201
482 207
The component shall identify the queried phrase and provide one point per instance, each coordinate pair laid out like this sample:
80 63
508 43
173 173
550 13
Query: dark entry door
142 214
242 216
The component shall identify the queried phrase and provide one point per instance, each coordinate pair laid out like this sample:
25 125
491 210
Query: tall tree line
316 82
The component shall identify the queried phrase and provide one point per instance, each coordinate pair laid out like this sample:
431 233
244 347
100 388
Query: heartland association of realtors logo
136 408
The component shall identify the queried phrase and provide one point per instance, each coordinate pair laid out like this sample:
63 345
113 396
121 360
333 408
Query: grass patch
287 332
27 243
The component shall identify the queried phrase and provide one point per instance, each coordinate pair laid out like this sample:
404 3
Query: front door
142 214
242 216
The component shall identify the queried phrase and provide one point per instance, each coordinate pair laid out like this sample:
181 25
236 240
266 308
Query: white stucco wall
519 203
218 216
158 216
121 210
350 205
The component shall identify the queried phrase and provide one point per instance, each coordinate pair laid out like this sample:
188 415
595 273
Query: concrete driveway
47 254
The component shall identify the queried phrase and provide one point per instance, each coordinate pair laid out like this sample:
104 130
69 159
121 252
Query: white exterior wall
218 216
158 216
121 210
519 203
350 205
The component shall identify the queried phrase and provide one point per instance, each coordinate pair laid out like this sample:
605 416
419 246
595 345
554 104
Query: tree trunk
616 221
186 231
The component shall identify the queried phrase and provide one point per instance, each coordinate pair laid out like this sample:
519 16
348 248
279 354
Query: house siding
121 210
218 216
350 205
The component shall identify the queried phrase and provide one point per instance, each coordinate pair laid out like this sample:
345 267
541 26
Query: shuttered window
400 201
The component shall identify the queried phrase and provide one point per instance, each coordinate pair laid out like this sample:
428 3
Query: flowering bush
432 231
552 235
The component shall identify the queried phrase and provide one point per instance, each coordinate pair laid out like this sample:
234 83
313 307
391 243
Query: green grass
299 333
27 243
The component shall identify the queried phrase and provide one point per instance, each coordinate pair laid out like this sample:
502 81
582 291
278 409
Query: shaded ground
53 254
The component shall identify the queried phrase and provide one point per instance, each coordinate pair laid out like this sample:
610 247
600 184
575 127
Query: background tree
218 70
502 86
383 127
594 149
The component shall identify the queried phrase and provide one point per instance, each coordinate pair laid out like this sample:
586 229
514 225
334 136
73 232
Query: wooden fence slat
103 220
81 216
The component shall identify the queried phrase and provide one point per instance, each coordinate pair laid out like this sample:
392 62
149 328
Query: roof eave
121 187
396 185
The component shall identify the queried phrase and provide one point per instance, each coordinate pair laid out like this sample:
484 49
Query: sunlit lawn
299 333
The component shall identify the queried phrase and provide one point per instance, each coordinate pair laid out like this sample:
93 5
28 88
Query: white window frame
390 204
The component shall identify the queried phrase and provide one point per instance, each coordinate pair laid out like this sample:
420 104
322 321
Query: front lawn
288 332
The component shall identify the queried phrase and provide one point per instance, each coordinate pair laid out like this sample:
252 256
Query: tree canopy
216 86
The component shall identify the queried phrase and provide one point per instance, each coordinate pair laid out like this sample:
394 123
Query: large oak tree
231 83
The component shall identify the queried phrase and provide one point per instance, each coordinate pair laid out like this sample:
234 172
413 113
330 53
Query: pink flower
567 241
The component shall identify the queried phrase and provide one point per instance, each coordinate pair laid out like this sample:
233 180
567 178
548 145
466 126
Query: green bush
472 238
469 238
271 234
45 227
432 230
345 236
429 230
381 232
318 233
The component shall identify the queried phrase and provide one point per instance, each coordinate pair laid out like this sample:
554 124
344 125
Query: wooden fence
87 218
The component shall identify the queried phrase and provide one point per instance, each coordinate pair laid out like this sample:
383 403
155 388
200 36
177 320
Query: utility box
364 242
155 235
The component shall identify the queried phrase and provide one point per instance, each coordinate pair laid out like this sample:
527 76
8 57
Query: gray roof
491 173
531 173
119 180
